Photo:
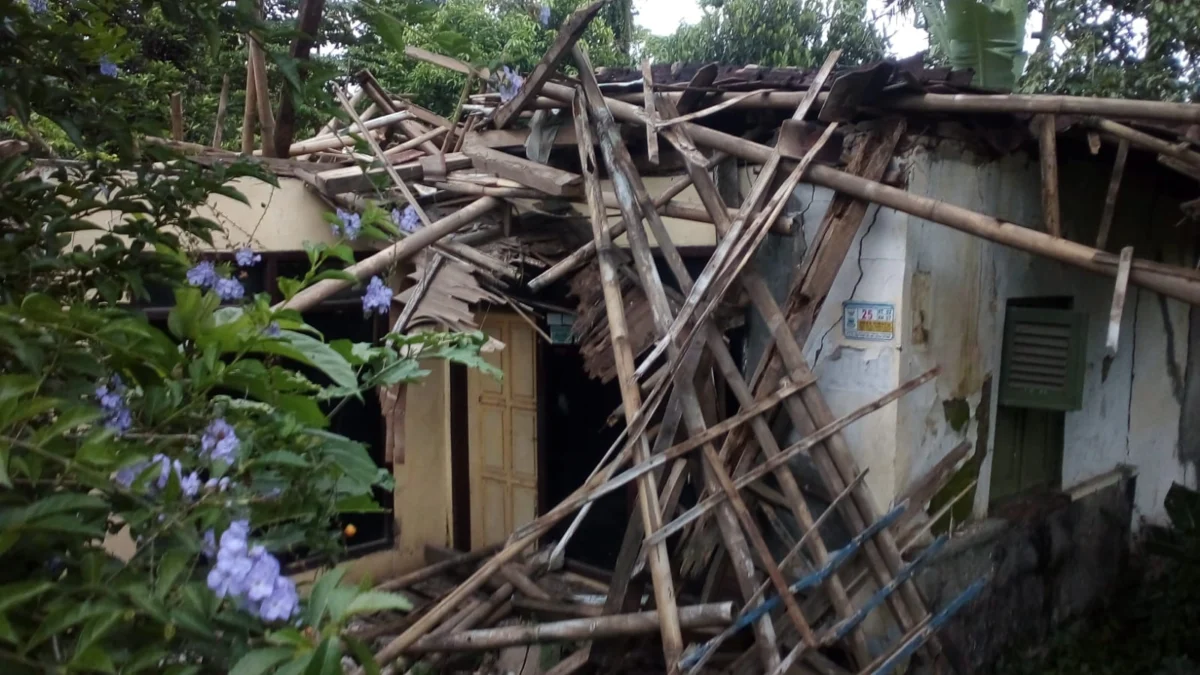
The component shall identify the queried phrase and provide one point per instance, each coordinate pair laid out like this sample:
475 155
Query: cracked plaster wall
950 292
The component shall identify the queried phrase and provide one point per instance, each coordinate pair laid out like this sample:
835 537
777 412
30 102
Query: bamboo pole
968 104
177 117
417 142
345 138
1148 142
266 119
333 123
1144 273
696 616
631 395
222 110
1048 151
250 113
616 229
401 250
431 571
1110 197
651 113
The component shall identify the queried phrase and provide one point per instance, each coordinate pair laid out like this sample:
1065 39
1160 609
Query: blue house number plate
869 321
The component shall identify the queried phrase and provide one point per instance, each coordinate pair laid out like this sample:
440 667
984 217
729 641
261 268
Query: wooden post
249 115
177 117
1047 146
1110 198
222 110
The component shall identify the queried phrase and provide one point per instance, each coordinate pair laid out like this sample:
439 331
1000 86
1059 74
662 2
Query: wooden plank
691 97
262 96
382 99
572 29
1048 150
651 113
525 171
1110 197
358 179
1118 303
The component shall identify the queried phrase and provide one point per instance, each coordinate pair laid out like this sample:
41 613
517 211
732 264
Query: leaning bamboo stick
651 113
344 138
262 96
1110 197
431 571
401 250
1048 152
964 220
222 110
585 252
249 114
333 123
631 395
1146 141
637 205
696 616
177 117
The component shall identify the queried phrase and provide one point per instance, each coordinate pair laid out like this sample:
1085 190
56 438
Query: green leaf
96 628
362 654
327 659
173 564
370 602
7 632
287 66
351 457
68 418
60 620
12 595
94 659
16 386
987 37
318 600
388 28
261 661
284 458
306 410
193 309
319 355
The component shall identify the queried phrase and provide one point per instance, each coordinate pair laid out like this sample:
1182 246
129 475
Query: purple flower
378 297
544 16
246 257
108 68
112 400
408 220
283 602
210 545
229 289
190 484
38 6
272 330
351 225
125 477
510 84
251 575
219 442
203 275
215 485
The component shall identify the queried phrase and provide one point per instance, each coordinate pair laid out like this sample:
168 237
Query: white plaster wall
951 291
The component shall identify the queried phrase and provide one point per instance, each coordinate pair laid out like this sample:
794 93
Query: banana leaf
986 37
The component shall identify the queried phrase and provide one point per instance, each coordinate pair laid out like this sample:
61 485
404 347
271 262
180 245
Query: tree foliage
773 33
212 427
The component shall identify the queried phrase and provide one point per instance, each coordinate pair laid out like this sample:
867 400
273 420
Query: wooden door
502 416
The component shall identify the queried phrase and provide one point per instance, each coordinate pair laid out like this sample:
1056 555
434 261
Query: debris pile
475 194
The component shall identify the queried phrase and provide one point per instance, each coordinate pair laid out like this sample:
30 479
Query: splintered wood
727 562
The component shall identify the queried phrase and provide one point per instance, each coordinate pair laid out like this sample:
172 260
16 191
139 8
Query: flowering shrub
203 438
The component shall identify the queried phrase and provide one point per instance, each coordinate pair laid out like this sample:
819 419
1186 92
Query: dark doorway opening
576 434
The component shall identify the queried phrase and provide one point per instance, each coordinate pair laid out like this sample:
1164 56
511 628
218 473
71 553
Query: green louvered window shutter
1045 356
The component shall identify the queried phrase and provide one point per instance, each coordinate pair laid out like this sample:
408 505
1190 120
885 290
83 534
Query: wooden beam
651 113
1118 303
222 110
357 179
572 29
177 117
382 99
1048 150
697 616
440 567
525 171
344 138
1110 198
1148 142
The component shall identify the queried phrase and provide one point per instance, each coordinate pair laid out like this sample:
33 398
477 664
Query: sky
662 17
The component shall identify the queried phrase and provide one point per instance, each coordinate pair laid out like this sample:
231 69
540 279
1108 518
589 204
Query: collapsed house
769 337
